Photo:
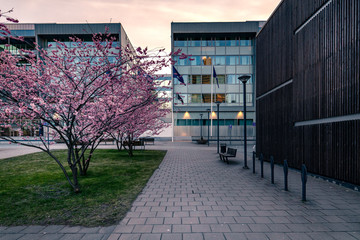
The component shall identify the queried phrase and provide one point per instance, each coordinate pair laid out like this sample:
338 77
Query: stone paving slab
196 196
193 195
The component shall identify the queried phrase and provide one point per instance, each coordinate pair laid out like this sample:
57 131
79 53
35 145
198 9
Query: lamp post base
246 167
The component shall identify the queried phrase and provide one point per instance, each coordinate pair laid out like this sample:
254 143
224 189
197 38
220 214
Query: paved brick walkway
193 195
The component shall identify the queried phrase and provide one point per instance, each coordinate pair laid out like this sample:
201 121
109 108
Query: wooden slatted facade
308 87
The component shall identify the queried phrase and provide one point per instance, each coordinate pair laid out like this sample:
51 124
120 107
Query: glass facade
218 60
231 55
213 41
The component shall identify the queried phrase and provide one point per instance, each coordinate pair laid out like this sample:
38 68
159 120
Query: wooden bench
135 143
148 140
231 152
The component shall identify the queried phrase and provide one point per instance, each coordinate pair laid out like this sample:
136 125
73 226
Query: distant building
44 34
308 87
229 48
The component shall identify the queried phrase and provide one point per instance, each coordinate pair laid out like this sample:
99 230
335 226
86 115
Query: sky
146 22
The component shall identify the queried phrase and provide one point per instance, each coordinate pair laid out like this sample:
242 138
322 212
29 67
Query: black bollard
262 165
303 180
272 168
254 156
286 169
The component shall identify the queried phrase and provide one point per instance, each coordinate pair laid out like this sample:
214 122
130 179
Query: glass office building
225 50
43 34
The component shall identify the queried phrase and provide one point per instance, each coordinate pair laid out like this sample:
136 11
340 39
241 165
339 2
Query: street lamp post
208 111
201 136
244 79
218 125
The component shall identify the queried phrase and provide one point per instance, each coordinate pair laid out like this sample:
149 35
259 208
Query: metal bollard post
272 168
303 180
286 167
254 156
262 165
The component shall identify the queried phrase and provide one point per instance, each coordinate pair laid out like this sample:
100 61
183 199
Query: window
195 79
229 122
245 60
231 41
231 79
183 96
196 98
249 122
220 42
232 98
220 60
206 60
220 97
180 42
195 122
185 77
249 98
207 42
194 42
221 79
245 42
232 60
206 79
196 62
181 122
180 62
207 98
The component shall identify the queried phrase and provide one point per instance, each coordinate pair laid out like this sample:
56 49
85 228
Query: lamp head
244 78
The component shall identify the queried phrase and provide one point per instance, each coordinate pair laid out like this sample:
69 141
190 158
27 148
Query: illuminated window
195 79
220 97
206 79
207 98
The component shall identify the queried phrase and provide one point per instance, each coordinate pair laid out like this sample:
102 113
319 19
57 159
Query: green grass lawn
33 189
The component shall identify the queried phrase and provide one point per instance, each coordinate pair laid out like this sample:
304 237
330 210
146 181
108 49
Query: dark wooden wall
322 59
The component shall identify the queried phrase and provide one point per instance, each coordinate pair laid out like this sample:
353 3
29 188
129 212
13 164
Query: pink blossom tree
4 31
81 93
147 119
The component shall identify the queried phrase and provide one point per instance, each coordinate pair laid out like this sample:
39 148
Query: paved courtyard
193 195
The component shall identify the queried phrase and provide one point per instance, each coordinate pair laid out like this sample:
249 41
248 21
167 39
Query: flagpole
212 91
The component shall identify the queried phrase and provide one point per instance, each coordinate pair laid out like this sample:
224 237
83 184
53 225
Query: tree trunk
130 146
72 164
75 178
